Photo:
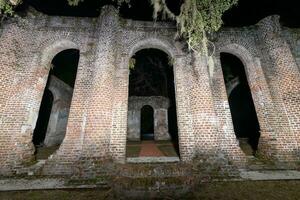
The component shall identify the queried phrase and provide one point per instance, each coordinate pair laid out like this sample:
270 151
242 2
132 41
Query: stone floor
150 148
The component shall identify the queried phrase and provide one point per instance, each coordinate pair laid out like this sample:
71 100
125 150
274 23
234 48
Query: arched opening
54 109
147 123
40 130
244 117
151 82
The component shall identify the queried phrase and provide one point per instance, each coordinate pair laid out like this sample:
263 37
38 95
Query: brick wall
286 75
97 124
292 36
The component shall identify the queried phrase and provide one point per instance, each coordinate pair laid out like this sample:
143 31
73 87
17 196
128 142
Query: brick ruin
97 120
62 95
159 105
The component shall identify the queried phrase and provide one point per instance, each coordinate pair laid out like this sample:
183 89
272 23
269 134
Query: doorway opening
147 123
54 110
152 122
244 117
40 130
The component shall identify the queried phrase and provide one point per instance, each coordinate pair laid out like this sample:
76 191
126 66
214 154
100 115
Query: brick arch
154 43
253 69
48 50
153 102
257 82
147 104
119 131
243 54
51 50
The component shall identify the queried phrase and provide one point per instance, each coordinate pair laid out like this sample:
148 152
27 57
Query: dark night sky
247 12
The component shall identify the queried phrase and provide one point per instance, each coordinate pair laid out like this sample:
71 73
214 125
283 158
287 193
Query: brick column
100 116
117 145
213 137
287 80
227 139
62 162
184 118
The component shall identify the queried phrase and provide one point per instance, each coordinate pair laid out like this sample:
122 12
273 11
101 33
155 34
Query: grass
133 151
249 190
246 190
54 195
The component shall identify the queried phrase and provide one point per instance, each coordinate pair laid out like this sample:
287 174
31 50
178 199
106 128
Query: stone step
270 174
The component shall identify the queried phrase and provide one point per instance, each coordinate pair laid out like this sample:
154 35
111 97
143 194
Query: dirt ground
247 190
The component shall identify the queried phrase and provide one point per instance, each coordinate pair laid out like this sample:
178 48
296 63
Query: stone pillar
134 124
161 124
62 97
287 80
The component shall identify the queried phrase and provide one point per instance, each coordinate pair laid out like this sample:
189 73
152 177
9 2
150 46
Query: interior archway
152 80
52 119
40 130
147 123
244 117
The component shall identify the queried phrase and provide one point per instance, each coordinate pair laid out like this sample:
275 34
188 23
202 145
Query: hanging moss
197 18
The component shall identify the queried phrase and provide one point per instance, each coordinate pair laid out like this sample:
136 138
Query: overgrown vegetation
258 190
197 19
7 6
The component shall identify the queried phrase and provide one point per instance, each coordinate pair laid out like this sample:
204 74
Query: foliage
6 7
132 62
199 18
76 2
